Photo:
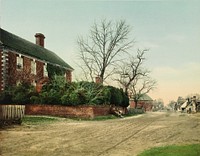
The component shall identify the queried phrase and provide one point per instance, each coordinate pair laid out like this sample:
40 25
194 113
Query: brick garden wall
68 111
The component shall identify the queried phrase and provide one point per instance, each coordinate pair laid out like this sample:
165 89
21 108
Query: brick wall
12 68
25 73
27 65
69 76
147 105
13 74
39 70
67 111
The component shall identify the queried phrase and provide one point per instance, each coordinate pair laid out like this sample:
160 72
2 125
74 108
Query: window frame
33 67
45 72
19 62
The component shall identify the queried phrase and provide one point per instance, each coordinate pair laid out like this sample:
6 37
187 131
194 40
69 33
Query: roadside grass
173 150
97 118
35 120
132 114
107 117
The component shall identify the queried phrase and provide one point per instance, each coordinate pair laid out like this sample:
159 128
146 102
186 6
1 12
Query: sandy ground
118 137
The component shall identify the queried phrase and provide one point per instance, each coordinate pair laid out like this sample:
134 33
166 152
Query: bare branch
107 42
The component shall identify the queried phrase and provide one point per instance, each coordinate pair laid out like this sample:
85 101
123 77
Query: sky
169 28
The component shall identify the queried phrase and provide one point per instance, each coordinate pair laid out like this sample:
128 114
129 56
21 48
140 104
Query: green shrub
22 93
57 91
35 100
125 101
6 96
65 100
54 71
117 96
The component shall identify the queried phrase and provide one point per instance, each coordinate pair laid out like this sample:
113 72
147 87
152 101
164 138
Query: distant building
180 102
145 102
189 105
22 60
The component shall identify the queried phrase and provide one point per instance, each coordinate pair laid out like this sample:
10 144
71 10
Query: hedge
57 91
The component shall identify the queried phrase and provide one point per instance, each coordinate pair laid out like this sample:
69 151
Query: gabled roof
25 47
145 97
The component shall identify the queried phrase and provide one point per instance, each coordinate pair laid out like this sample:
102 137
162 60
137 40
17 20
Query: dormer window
19 62
33 67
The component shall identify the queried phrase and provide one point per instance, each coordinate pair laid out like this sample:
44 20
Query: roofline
10 50
2 44
140 100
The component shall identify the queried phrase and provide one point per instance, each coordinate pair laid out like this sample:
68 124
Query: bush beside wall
57 91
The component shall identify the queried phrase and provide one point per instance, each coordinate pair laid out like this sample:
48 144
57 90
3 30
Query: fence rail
11 112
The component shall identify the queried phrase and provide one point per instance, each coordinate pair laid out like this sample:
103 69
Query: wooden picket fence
11 112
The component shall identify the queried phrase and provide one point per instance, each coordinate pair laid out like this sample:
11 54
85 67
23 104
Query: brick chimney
39 39
98 79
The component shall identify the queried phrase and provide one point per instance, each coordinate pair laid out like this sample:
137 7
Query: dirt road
118 137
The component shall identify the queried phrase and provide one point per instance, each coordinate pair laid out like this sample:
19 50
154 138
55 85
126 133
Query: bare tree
172 105
141 86
102 49
134 78
130 72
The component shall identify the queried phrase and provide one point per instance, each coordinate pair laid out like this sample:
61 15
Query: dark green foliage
52 96
35 100
54 70
125 102
65 100
118 97
52 92
6 96
57 91
20 94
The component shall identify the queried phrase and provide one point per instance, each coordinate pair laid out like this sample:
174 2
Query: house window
65 75
45 70
19 62
33 67
18 82
33 83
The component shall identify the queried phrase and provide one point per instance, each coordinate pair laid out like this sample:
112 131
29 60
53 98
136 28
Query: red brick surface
25 74
69 111
147 105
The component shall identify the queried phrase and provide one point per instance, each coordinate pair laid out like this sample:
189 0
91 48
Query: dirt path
127 137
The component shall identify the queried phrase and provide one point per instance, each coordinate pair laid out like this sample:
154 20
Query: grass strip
173 150
34 120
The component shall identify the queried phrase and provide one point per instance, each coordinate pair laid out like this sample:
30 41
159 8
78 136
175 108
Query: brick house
145 102
22 60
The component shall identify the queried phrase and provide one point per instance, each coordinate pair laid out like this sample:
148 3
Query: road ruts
144 125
